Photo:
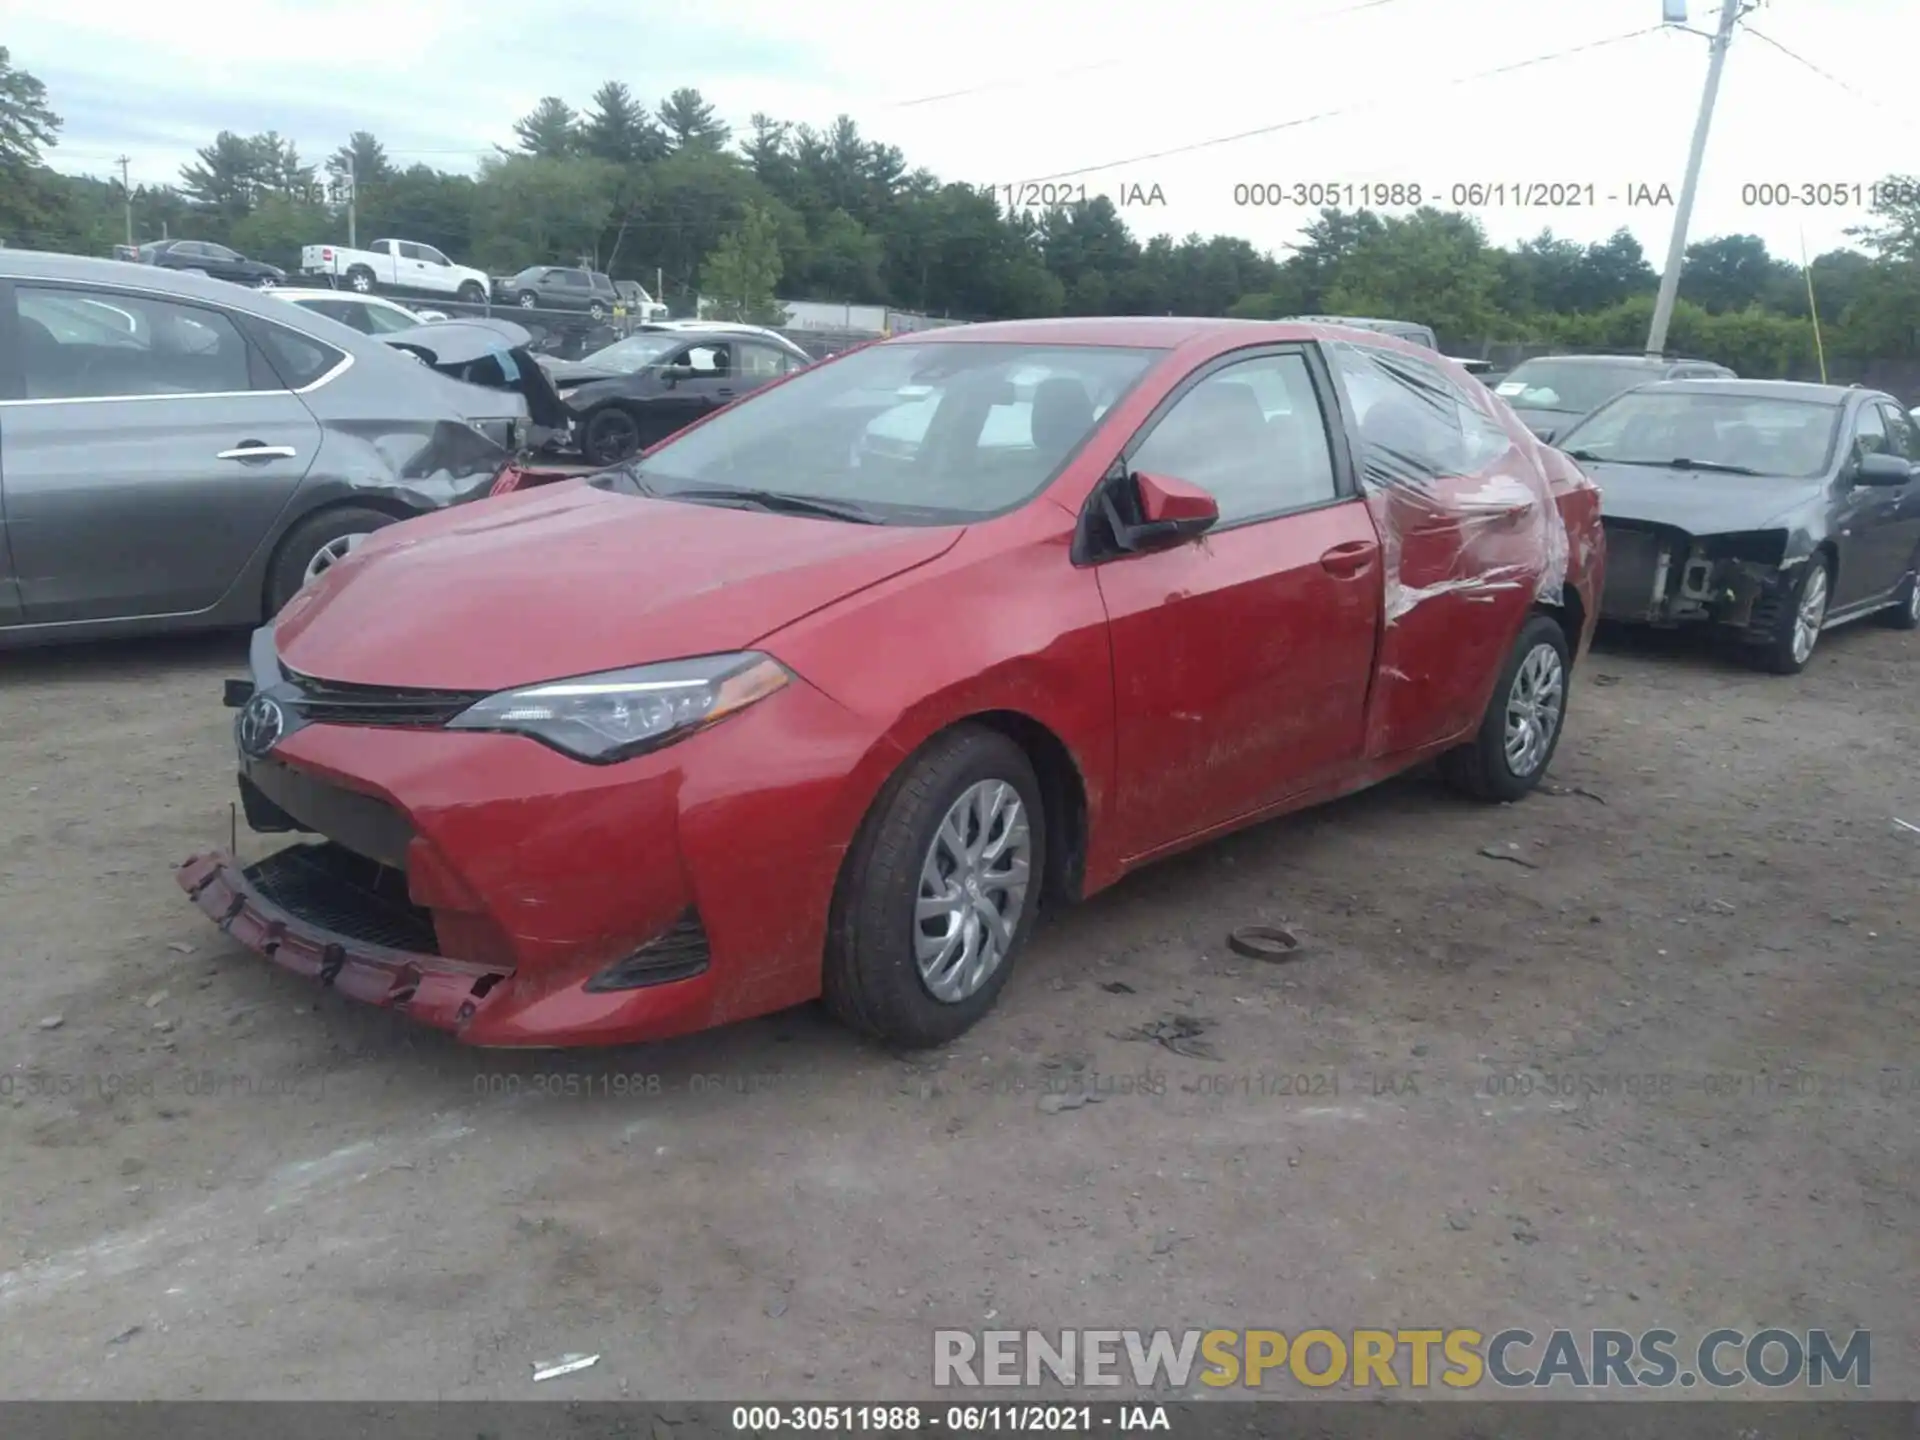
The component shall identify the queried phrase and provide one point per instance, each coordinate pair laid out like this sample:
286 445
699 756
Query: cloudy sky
1009 91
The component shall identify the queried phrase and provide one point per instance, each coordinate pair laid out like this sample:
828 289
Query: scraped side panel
1471 534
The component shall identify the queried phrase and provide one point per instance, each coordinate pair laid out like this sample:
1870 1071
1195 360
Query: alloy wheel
1810 614
1534 704
330 554
973 890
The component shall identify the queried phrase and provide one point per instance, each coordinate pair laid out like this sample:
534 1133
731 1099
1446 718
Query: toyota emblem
261 725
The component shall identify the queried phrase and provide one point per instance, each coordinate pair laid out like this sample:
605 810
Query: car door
436 271
1466 522
1866 519
220 262
1242 659
711 385
1899 539
756 365
142 471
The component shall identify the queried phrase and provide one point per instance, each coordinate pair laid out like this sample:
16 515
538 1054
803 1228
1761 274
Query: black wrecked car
1771 509
643 388
203 257
1551 393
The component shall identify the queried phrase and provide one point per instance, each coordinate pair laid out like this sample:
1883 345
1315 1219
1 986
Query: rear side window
1415 423
604 285
298 359
79 344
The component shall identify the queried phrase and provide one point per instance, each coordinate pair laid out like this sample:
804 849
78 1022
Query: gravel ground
221 1182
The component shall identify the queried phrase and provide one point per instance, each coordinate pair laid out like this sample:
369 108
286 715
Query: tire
1532 689
306 546
609 436
472 293
1781 652
597 311
873 978
528 300
1904 613
360 280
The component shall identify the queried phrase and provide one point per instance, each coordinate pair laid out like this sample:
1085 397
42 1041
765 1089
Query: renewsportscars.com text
1458 1359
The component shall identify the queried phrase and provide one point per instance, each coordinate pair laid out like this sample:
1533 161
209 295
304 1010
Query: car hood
570 579
1698 501
572 372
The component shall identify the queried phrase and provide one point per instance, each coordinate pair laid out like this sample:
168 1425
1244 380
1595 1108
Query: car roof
1804 390
157 280
1155 332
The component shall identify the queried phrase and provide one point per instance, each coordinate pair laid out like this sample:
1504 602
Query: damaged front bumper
1658 575
445 994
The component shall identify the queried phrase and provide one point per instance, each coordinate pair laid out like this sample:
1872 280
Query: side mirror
1881 469
1171 510
674 374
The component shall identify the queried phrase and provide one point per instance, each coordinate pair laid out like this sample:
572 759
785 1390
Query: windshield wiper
1681 462
778 502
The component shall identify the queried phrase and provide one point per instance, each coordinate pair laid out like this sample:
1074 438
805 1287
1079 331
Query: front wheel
1521 727
528 300
472 293
939 892
610 436
1790 647
597 311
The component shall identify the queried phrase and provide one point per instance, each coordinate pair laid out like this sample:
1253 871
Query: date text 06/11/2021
1459 194
1118 1419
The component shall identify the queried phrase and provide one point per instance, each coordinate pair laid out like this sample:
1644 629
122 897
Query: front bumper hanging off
432 989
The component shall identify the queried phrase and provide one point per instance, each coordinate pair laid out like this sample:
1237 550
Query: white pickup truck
402 265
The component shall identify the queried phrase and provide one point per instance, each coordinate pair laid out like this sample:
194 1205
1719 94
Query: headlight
618 714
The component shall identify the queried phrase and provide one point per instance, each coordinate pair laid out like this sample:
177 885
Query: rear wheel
610 436
315 546
360 280
1790 647
939 892
1522 724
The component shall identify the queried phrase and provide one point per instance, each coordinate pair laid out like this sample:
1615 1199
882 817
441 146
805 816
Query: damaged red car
832 693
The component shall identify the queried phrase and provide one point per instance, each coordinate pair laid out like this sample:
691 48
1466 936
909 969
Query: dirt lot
222 1182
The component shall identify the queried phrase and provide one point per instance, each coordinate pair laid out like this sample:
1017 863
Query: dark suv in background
203 257
559 287
1550 392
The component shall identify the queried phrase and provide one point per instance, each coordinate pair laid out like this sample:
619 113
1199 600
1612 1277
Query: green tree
27 122
1892 234
550 131
619 130
739 277
1432 267
1732 272
529 210
690 120
363 158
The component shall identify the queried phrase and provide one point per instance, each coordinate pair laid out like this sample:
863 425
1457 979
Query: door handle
254 450
724 390
1349 559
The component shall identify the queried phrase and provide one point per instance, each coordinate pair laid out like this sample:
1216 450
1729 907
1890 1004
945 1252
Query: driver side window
1870 434
709 362
1904 436
1252 434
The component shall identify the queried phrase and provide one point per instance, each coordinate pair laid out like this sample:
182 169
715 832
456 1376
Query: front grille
336 890
336 702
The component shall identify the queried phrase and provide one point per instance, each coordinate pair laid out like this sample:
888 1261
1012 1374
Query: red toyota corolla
830 693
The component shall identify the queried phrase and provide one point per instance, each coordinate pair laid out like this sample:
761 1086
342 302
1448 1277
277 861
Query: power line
1332 114
1022 81
1832 79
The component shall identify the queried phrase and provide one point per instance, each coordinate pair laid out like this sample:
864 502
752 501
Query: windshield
635 352
1572 387
1768 436
917 433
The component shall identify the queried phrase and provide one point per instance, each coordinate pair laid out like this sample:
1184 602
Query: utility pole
1677 248
126 188
353 199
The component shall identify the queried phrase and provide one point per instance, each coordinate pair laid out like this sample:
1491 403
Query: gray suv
180 453
561 287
